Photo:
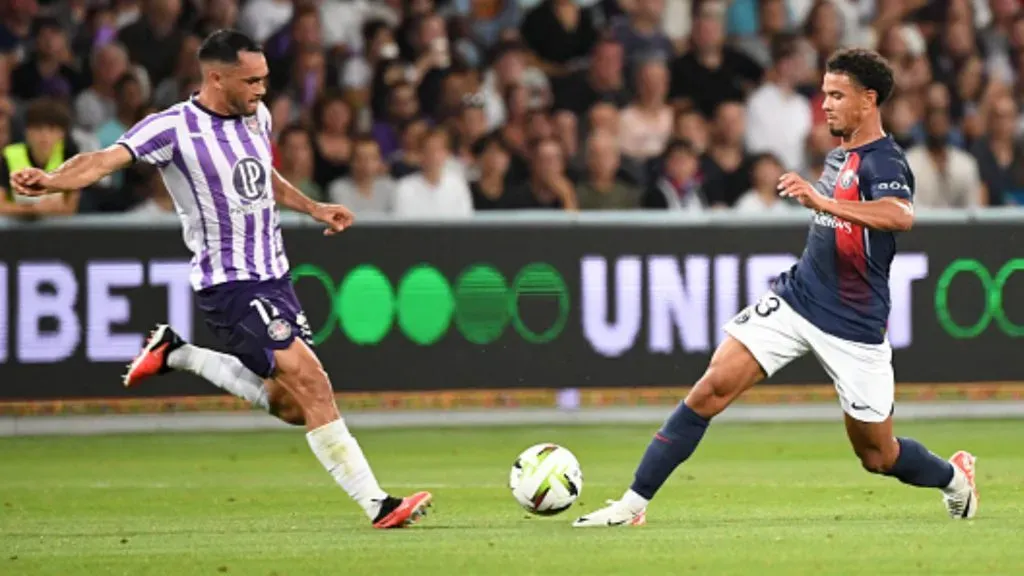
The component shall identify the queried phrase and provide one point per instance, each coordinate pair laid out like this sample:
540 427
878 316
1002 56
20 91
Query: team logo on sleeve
847 178
279 330
250 179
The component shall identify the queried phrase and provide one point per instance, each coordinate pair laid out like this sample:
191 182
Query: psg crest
253 124
846 178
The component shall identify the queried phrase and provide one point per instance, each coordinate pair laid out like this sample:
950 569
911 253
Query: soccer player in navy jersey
834 302
214 154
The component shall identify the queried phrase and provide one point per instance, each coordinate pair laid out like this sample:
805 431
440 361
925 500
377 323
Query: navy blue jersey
841 283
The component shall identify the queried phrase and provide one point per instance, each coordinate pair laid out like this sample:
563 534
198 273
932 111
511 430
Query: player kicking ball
214 154
834 303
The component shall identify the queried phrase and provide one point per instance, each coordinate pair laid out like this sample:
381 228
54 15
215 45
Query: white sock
224 371
634 502
958 483
340 454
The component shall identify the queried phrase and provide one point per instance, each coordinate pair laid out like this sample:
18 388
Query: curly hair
865 67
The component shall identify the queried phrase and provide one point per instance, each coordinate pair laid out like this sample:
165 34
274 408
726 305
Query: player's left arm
335 216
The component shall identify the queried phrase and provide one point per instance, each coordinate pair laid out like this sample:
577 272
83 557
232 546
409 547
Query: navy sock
918 467
671 446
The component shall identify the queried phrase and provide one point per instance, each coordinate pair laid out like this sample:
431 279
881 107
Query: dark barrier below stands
541 306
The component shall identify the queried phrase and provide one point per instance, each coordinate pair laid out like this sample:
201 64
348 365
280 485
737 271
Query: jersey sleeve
887 176
153 140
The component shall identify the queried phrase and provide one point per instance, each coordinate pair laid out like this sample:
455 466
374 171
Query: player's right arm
152 141
76 173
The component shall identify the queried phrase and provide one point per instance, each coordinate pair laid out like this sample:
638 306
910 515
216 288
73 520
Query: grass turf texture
755 499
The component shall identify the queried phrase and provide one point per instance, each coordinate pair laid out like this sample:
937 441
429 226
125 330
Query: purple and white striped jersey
218 171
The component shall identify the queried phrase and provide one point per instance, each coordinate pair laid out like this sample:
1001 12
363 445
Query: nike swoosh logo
856 406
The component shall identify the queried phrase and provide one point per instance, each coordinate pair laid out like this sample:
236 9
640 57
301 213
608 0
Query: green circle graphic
310 271
481 304
365 305
942 298
425 305
995 297
540 280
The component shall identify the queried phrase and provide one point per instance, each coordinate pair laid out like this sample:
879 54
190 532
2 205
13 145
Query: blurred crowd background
453 107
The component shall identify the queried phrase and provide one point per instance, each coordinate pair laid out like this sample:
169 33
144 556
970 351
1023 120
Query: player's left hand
791 185
335 216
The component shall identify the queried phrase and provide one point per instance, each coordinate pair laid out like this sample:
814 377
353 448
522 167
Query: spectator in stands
332 145
602 81
899 119
678 183
641 35
157 202
517 111
823 32
771 18
646 125
309 80
763 196
16 30
946 176
297 164
174 88
492 189
357 72
302 35
601 189
438 191
1000 156
690 125
566 131
48 72
469 126
409 158
215 15
779 117
367 190
549 186
154 41
261 18
402 108
604 116
560 34
712 72
97 104
431 59
129 99
726 164
45 146
507 70
819 144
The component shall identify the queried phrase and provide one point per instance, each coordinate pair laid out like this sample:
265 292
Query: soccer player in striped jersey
833 303
214 154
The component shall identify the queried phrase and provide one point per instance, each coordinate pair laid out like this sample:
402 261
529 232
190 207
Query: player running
834 302
213 152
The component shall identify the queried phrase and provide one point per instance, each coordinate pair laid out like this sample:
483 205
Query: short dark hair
47 113
223 46
865 67
783 46
291 130
486 141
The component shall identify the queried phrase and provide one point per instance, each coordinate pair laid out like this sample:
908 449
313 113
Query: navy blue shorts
254 318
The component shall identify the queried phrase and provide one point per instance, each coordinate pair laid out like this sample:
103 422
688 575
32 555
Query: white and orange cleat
616 513
152 360
961 496
405 512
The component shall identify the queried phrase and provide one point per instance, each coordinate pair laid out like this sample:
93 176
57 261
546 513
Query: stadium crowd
450 107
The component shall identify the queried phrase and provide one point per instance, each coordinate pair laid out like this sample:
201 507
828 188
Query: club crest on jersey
250 179
847 178
279 330
252 123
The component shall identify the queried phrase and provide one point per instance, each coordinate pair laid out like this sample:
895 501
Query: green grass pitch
756 499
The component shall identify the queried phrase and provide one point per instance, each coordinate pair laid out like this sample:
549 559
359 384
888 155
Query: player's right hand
30 182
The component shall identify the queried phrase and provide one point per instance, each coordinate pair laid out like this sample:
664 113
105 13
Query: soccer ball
546 479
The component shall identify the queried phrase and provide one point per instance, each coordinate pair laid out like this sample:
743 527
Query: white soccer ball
546 479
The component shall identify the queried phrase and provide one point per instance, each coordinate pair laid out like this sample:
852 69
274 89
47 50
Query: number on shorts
765 307
261 309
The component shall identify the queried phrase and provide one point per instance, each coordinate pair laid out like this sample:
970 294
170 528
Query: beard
837 132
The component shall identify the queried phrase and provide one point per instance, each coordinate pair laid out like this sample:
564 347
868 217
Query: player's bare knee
711 395
876 461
